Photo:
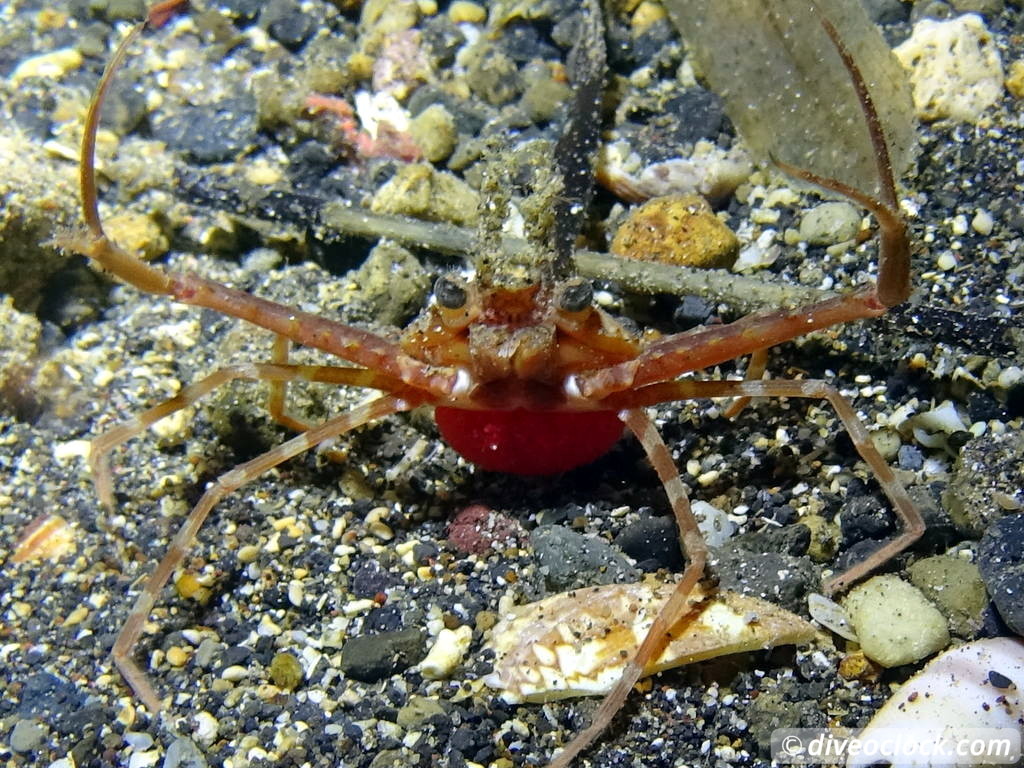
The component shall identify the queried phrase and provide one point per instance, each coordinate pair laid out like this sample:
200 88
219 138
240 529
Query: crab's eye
576 296
449 293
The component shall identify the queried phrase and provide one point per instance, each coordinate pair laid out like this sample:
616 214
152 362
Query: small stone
956 587
462 11
183 753
714 523
567 559
910 458
677 229
825 537
830 223
371 658
391 284
1001 562
895 622
285 671
235 673
955 68
983 223
691 312
478 529
206 728
207 652
646 14
1015 80
177 656
211 133
138 740
51 66
190 587
493 77
418 711
138 234
26 736
434 132
887 442
985 471
857 666
292 28
653 542
544 95
781 579
144 759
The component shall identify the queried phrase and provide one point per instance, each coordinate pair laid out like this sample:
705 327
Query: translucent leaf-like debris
787 90
577 643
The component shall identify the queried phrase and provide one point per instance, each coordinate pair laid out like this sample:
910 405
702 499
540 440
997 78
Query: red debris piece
478 528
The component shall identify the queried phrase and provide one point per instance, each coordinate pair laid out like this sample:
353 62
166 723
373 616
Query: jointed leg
755 370
913 523
277 401
224 485
100 448
675 608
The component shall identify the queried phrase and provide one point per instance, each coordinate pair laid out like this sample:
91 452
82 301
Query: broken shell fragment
959 698
48 537
578 643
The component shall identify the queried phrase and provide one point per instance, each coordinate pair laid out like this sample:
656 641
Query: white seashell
831 616
447 653
976 686
942 418
578 643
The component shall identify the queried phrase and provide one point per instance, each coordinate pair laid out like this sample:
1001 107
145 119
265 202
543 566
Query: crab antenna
574 151
894 262
87 167
157 16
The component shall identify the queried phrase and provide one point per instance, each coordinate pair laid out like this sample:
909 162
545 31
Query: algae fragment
785 86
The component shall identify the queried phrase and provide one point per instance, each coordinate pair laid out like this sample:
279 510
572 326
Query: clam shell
578 643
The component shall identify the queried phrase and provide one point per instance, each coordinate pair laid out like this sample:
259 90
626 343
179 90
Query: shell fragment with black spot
968 699
577 643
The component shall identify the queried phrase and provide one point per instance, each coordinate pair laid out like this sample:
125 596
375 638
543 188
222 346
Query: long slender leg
100 448
913 523
224 485
755 370
278 390
277 402
659 635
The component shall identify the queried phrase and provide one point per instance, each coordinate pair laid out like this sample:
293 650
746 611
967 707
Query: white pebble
144 759
946 261
982 223
446 653
234 673
206 727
